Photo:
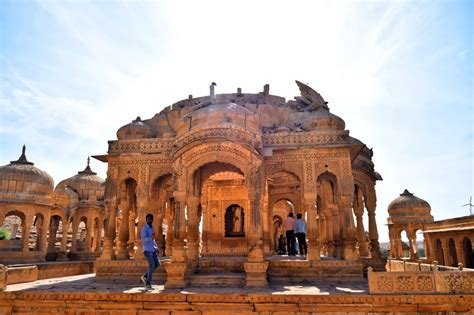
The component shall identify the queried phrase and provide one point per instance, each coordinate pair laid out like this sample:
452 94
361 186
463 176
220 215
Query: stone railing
402 265
420 282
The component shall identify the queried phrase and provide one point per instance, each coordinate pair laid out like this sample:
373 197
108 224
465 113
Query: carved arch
233 154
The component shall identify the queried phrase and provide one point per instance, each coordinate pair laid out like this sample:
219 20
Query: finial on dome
87 170
212 92
406 193
22 159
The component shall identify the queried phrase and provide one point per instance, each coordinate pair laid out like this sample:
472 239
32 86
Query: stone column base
176 274
256 274
349 251
62 256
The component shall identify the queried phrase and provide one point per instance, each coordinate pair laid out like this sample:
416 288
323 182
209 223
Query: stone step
218 280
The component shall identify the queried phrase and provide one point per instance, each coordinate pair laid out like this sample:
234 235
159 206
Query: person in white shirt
300 232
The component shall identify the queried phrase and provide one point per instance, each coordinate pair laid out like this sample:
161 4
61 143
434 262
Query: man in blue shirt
300 232
150 249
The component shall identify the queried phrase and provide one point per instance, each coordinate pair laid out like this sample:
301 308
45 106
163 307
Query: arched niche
327 186
234 221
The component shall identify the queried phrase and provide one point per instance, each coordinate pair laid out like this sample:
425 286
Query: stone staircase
219 272
220 280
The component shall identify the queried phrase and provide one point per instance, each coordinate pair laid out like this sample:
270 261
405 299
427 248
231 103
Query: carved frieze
230 134
142 145
305 138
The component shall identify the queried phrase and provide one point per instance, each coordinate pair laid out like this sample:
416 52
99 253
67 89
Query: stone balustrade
421 282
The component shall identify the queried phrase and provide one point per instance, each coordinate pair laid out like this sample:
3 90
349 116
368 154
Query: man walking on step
150 249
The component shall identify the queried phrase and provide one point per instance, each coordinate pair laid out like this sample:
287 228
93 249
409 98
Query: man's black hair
290 214
149 215
299 216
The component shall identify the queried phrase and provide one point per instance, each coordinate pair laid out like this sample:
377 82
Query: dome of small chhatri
137 129
86 184
21 177
411 207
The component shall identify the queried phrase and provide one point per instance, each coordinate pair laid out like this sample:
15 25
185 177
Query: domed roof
410 208
225 113
86 184
22 178
322 119
137 129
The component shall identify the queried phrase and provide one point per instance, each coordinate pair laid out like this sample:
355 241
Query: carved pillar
256 267
177 268
75 227
90 225
329 233
411 245
336 236
110 195
53 229
312 227
323 239
122 251
370 204
359 212
25 234
268 242
193 229
110 232
159 227
44 236
349 251
62 255
446 252
132 232
142 205
98 237
460 250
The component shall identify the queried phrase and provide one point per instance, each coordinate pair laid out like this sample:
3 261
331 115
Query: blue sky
399 73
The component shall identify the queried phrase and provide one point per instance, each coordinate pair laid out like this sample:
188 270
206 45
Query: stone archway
223 201
468 252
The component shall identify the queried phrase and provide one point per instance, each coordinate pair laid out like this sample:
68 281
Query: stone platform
281 269
85 294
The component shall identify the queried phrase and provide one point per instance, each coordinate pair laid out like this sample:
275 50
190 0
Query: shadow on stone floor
89 283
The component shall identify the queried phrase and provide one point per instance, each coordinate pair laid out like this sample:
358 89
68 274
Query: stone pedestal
62 256
256 274
176 274
349 251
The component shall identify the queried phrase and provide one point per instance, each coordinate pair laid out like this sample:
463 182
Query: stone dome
409 207
322 119
22 178
219 114
137 129
86 184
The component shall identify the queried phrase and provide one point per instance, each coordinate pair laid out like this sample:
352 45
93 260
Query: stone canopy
221 173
